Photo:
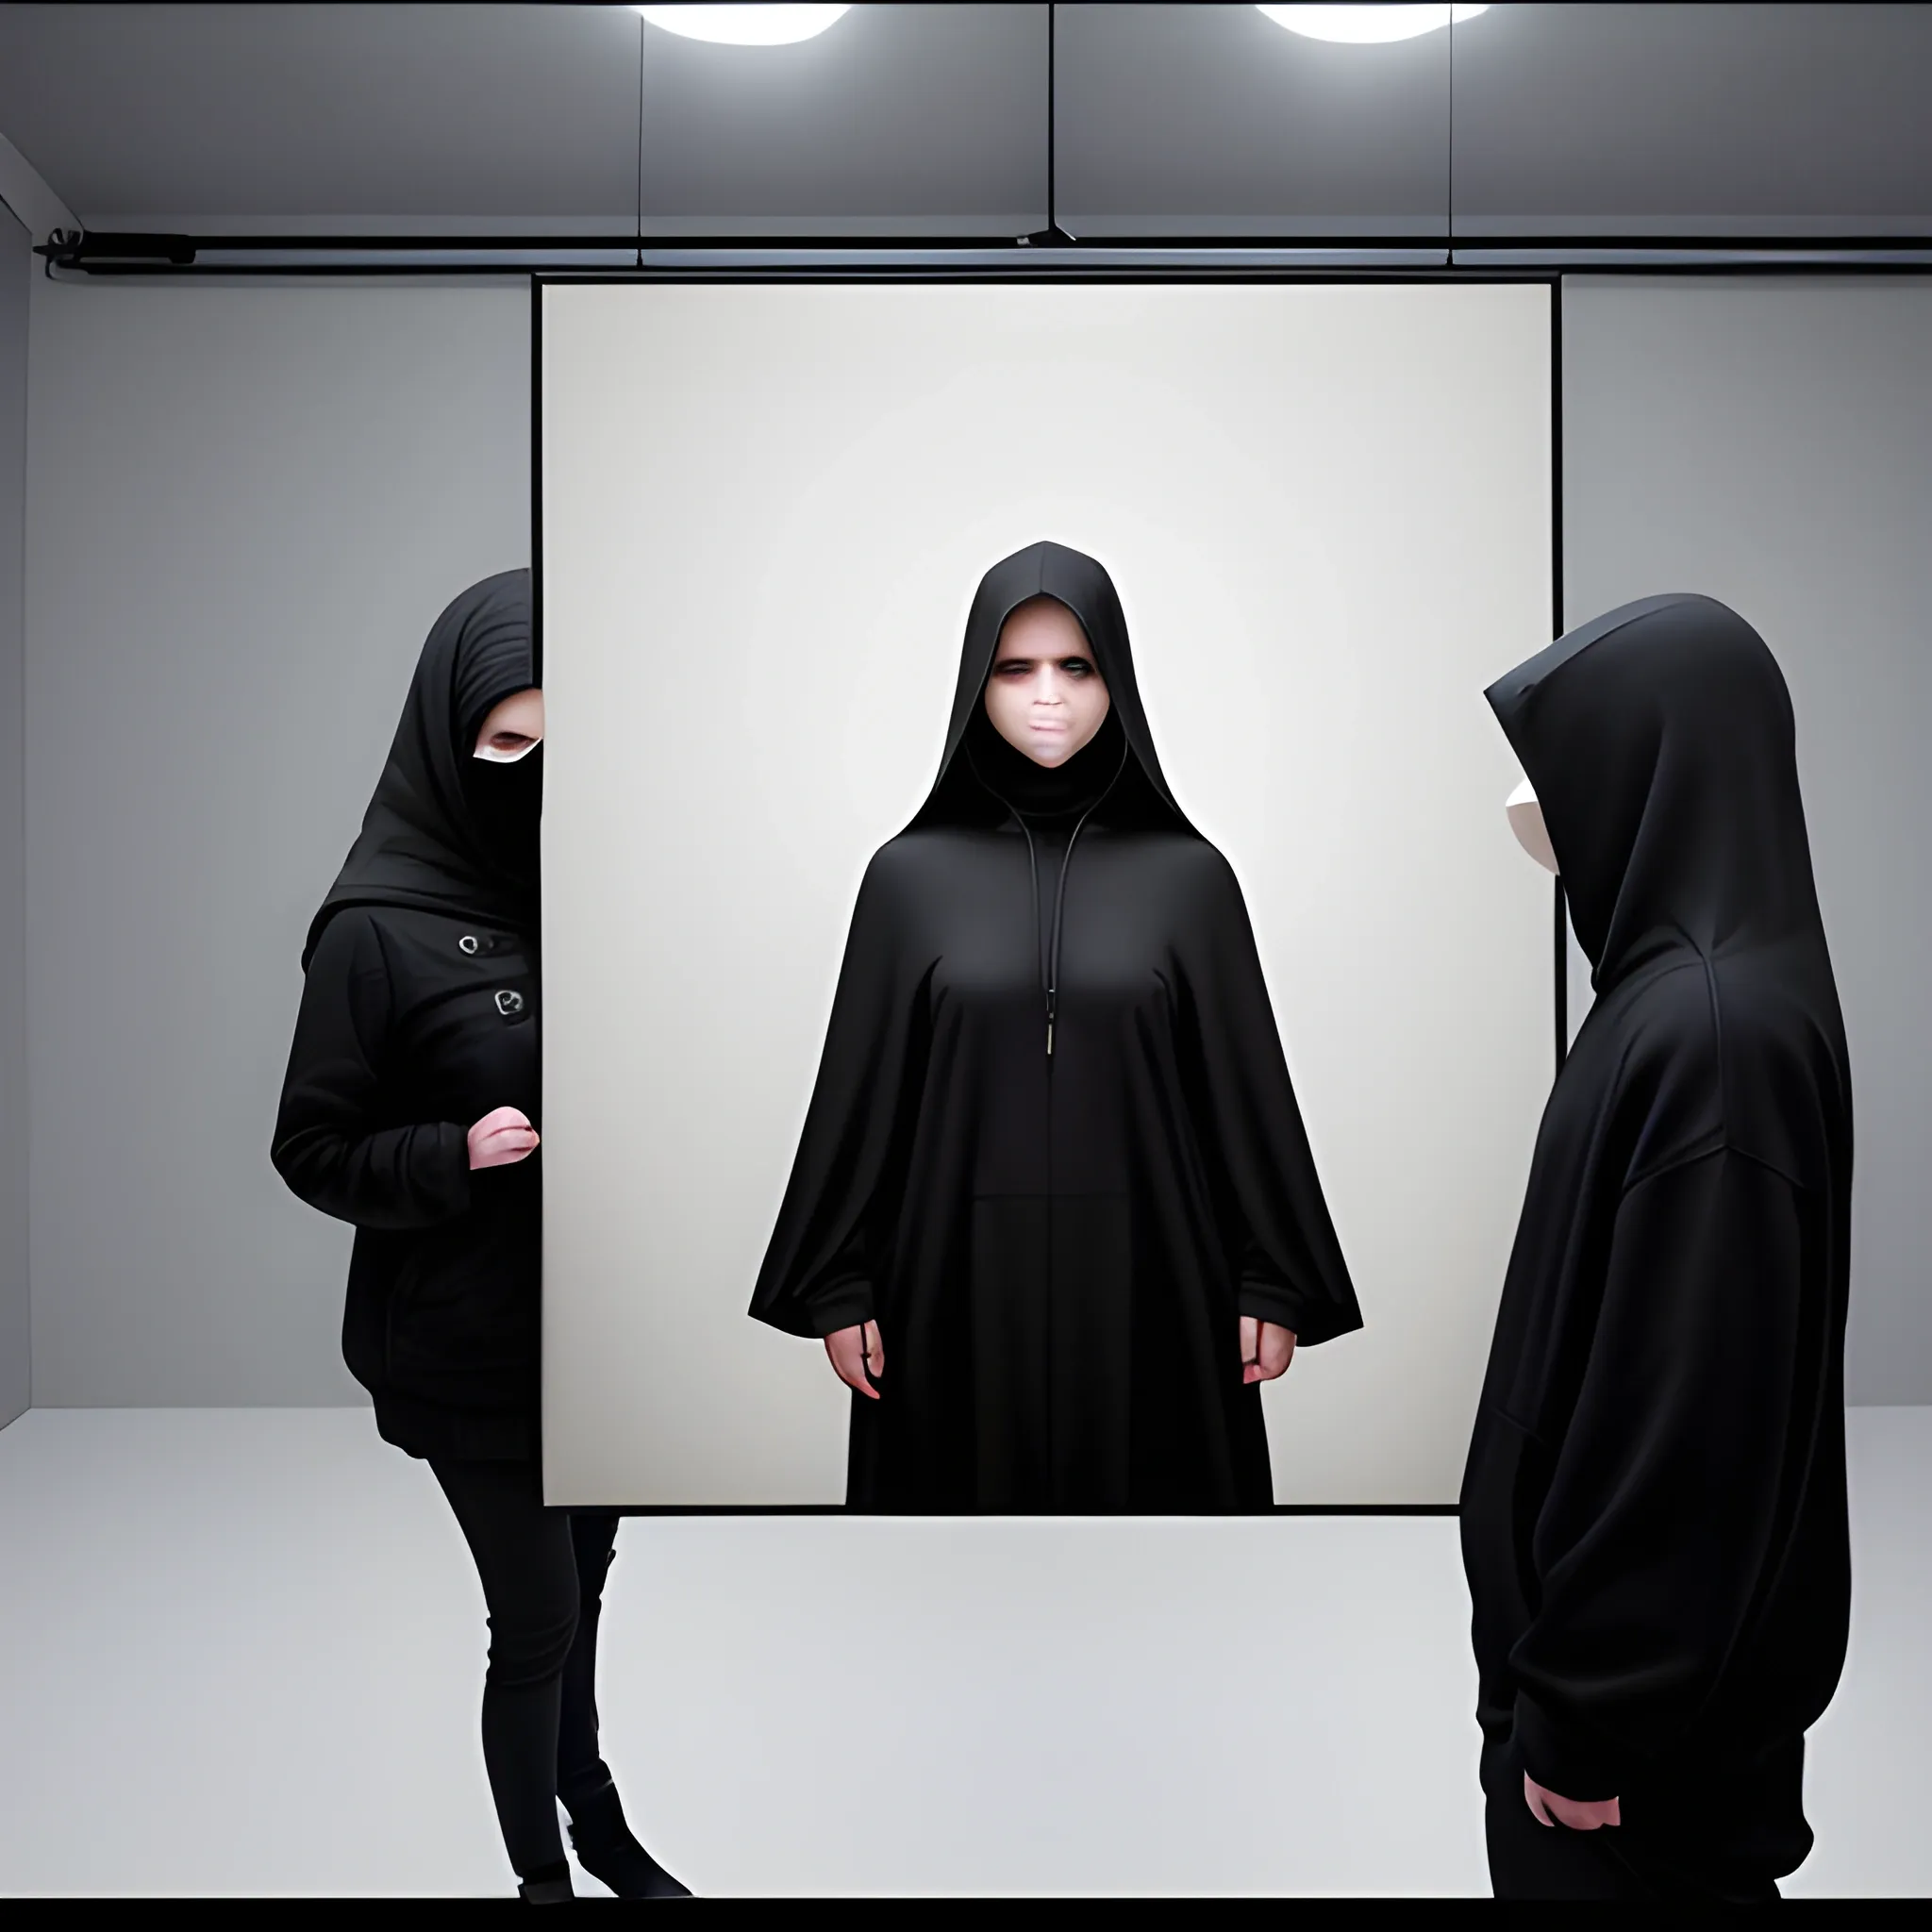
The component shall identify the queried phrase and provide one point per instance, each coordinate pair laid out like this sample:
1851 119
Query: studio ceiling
1171 122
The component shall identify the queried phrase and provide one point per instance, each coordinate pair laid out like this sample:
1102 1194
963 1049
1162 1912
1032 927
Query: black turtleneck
1048 801
1038 792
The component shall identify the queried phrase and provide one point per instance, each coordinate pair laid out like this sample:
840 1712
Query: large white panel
765 511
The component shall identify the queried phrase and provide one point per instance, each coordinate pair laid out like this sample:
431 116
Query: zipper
1041 943
1059 907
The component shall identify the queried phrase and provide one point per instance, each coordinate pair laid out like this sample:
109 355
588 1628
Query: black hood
1659 742
1070 578
446 831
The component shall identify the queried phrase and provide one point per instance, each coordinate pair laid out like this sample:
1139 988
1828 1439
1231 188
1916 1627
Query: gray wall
246 507
1770 444
16 264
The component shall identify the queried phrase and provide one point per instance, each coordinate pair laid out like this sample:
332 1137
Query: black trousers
1727 1839
542 1573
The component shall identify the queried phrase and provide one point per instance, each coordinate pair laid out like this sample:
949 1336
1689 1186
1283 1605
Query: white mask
1526 822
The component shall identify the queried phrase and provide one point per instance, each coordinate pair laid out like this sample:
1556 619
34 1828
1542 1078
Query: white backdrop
765 509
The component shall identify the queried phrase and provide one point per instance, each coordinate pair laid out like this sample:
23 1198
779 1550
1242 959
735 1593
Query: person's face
513 727
1044 694
1526 822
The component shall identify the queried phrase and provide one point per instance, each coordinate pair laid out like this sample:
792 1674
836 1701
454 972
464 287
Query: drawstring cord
1050 954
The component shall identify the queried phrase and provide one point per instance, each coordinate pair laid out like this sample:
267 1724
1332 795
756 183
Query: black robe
1653 1519
1053 1146
419 1016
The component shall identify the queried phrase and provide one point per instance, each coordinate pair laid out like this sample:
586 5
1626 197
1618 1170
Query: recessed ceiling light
1361 23
745 27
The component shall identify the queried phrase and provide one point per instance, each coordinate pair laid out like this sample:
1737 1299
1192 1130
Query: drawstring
1049 955
1059 907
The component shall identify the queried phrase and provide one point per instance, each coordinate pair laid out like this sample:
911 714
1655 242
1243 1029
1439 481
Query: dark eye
1076 667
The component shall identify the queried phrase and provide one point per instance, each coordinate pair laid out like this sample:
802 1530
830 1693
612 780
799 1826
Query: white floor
240 1654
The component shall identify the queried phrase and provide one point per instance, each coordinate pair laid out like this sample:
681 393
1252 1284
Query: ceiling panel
899 120
1172 121
501 118
1207 121
1694 120
524 120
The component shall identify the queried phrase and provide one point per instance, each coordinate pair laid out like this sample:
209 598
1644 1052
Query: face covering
490 754
506 799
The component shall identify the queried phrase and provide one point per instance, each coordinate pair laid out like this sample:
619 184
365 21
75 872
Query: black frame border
1550 278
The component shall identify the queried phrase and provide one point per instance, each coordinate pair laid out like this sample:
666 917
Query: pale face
1526 822
1045 694
513 727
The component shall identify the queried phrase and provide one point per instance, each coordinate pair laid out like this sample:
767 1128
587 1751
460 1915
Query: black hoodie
1053 1146
418 1016
1653 1519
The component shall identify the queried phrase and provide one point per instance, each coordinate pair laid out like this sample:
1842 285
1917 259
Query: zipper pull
1049 1022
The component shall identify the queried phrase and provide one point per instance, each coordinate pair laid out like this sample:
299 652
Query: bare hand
1267 1348
501 1137
1547 1808
855 1350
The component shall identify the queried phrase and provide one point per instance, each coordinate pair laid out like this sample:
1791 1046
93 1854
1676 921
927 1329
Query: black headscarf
445 830
1076 580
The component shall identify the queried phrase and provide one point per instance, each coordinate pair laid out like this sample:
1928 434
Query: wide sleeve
1665 1487
1249 1123
819 1268
328 1144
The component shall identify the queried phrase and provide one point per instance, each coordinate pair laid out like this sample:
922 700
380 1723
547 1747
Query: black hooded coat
1653 1514
418 1016
1053 1147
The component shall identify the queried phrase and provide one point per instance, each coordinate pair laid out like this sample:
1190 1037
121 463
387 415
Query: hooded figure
408 1111
1053 1149
418 1018
1653 1514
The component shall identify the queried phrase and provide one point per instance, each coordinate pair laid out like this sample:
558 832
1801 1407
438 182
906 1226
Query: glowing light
1365 24
744 26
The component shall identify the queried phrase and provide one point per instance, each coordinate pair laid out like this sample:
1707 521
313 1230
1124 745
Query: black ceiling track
69 253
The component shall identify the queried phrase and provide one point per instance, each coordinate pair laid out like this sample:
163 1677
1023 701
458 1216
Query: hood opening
1083 585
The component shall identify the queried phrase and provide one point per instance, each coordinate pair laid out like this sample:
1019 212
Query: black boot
607 1850
552 1882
